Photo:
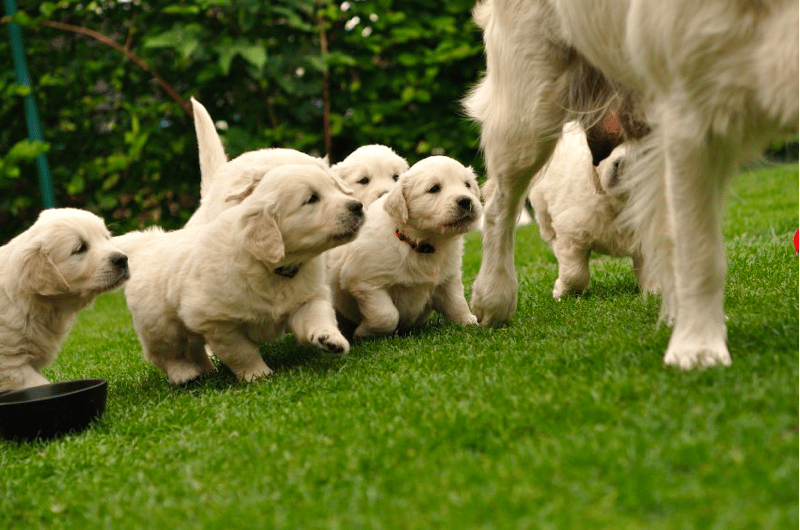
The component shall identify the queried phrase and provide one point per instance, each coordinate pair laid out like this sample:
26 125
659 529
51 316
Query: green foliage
120 146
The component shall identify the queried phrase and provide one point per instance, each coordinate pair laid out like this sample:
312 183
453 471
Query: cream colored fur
229 283
380 283
577 206
222 181
371 171
47 274
714 80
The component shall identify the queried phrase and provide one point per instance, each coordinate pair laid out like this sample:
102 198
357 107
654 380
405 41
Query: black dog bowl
49 411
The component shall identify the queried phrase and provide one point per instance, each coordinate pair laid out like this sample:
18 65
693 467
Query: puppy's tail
212 154
131 242
646 215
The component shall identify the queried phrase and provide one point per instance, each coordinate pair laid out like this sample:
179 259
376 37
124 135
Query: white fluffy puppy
248 276
47 274
406 262
577 206
221 181
372 171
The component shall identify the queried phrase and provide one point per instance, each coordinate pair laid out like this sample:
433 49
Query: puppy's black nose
120 261
465 203
356 208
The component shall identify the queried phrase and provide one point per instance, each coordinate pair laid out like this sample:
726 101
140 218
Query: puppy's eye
364 181
468 185
395 177
434 189
314 198
80 249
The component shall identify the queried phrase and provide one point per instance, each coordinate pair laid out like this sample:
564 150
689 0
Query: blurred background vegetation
119 144
112 79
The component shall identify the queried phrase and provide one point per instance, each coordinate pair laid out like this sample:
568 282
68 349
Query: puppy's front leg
315 323
236 350
448 299
378 313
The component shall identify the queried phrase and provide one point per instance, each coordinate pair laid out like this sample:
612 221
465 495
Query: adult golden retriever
706 84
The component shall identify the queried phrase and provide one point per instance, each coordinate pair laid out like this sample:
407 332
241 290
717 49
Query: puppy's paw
559 289
181 372
330 340
255 372
467 320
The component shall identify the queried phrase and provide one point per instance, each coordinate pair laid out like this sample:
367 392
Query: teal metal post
31 112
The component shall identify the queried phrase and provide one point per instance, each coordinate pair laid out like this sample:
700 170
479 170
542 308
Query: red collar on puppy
419 248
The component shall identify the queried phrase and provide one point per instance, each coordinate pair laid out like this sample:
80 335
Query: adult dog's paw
688 356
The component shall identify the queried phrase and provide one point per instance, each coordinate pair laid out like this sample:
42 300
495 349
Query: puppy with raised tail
406 262
47 274
248 276
221 180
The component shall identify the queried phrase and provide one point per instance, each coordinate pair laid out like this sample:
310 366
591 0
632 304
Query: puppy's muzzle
356 208
120 264
464 204
352 221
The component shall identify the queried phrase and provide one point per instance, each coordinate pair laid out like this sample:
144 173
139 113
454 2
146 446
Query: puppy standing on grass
47 274
406 262
248 276
577 206
372 171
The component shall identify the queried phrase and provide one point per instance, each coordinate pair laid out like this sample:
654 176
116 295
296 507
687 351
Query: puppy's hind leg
380 317
573 267
232 346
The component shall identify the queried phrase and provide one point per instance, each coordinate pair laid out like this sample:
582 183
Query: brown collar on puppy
419 248
288 271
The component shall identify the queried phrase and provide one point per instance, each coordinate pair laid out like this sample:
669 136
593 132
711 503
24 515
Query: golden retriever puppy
577 206
372 171
248 276
48 273
406 262
221 181
702 85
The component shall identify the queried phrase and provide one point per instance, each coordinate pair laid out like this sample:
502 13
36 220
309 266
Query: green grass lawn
567 418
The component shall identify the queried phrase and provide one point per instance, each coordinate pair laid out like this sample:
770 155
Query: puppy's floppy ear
239 196
396 205
260 234
38 274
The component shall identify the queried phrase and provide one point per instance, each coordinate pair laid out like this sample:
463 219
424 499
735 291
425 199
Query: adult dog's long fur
711 81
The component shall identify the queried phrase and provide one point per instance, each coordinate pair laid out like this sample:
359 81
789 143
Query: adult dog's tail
212 154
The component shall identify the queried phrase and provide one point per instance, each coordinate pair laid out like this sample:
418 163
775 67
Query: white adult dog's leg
315 323
695 188
494 293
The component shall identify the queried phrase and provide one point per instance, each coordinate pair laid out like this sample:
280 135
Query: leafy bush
120 145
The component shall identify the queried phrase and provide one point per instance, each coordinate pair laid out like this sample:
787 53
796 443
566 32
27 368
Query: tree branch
138 61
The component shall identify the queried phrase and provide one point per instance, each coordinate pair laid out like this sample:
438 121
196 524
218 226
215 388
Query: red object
797 241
